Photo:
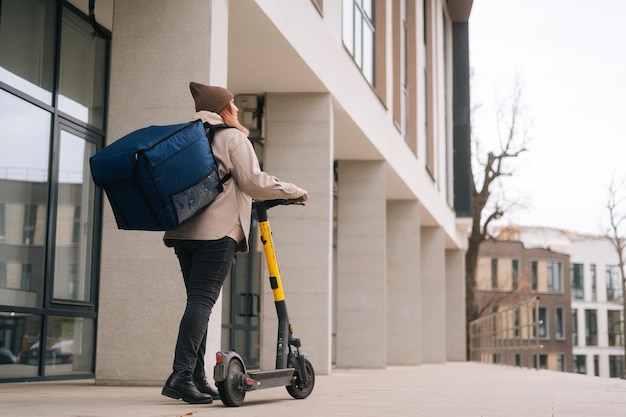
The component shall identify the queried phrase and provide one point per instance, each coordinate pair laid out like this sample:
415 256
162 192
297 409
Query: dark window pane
82 71
27 29
578 291
74 224
69 347
24 140
19 345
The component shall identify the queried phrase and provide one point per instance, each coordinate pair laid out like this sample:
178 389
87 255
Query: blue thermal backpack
158 177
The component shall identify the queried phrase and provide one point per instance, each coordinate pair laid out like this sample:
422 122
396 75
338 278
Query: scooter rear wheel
299 390
231 391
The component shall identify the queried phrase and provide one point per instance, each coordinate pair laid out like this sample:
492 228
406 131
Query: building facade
509 273
597 298
364 104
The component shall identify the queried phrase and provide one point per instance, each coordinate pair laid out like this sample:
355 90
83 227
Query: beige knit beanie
208 97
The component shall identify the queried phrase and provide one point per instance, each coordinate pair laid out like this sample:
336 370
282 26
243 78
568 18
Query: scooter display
293 370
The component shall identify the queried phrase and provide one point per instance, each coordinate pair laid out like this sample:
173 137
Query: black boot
204 387
180 385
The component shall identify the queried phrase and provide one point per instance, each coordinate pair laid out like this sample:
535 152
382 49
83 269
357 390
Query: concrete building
364 104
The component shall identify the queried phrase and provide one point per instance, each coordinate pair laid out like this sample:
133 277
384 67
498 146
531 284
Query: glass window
55 66
559 323
575 327
29 227
615 324
74 223
596 365
616 366
534 275
405 71
594 292
591 327
26 280
543 322
358 34
580 364
2 223
555 276
27 33
401 68
494 273
613 284
543 361
560 363
69 347
24 140
82 71
515 273
3 274
578 290
19 345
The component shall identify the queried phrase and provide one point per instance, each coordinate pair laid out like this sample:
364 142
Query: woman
206 245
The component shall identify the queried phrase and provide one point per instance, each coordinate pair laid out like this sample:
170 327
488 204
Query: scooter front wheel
300 390
231 391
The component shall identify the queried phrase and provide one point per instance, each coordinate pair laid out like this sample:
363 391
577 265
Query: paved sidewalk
448 390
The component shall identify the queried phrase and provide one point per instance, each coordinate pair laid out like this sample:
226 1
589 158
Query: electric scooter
293 370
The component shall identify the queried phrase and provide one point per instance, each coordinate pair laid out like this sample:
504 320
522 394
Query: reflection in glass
70 344
24 140
74 225
27 33
82 71
19 345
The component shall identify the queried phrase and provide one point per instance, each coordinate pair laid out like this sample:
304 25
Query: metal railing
508 337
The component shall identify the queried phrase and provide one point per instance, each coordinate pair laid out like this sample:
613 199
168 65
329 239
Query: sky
569 57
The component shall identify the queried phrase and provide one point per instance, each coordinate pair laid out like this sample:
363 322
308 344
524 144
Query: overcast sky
570 56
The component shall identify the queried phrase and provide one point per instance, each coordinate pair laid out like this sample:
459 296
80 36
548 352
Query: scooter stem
284 328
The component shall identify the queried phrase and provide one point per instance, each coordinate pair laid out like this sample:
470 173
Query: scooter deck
271 378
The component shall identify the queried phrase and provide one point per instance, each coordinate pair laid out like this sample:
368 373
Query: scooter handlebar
267 204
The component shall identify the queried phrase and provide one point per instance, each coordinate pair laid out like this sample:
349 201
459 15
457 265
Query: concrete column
299 149
403 283
455 305
154 55
361 340
433 299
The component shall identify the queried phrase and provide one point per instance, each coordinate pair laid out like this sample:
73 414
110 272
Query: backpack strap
211 129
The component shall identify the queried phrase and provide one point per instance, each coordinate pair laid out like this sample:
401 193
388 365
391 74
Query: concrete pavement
457 389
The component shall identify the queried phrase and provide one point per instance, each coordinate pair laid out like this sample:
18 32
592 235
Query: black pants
205 265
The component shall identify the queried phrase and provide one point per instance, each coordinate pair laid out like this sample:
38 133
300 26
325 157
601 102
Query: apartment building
363 103
597 298
508 273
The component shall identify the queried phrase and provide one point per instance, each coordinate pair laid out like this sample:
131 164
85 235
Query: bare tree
617 221
513 137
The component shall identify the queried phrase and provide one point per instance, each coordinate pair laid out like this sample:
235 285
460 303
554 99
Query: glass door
241 306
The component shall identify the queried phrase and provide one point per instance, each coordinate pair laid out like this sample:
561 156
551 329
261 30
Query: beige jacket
230 213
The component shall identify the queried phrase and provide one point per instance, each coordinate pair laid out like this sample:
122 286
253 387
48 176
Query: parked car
60 352
6 356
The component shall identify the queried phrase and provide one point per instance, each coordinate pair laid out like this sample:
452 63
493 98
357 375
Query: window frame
515 274
47 307
356 24
544 325
591 327
613 284
559 323
555 277
577 273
